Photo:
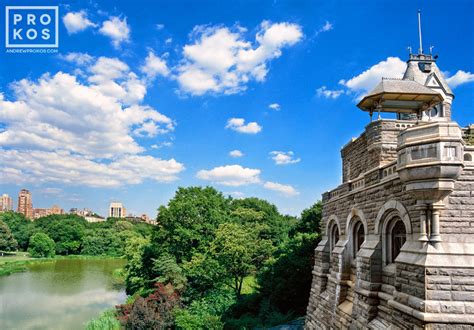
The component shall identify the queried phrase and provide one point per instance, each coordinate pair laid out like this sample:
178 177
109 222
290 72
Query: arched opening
396 236
333 237
467 157
358 236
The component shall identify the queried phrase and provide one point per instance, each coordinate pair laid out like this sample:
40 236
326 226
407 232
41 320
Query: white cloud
236 153
328 93
221 61
159 27
27 166
392 67
284 158
116 29
238 125
235 194
77 22
283 189
78 58
155 66
51 191
168 41
325 28
461 77
230 175
275 106
82 131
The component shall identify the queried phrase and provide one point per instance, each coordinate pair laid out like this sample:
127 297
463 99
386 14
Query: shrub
41 246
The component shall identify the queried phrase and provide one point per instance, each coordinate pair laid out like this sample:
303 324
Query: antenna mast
419 31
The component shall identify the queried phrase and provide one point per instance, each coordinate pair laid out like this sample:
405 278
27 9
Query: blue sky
146 96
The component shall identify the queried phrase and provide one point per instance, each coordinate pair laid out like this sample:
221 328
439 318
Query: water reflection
59 295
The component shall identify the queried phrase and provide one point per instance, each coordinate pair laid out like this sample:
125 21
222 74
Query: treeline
68 234
215 262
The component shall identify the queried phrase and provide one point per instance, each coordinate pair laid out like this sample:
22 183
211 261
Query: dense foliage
7 241
41 246
210 249
71 234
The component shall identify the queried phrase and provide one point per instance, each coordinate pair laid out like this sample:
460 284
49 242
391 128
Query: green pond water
64 294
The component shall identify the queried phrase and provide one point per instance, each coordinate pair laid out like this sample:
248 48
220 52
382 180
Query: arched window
358 237
468 157
396 237
333 236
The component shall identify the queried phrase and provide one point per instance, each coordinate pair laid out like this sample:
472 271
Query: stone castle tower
397 250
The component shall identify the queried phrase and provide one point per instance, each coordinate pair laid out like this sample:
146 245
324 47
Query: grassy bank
18 262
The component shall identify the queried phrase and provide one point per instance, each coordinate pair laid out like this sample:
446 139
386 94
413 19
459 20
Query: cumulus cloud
220 60
283 189
274 106
284 158
82 131
392 67
230 175
77 22
328 93
459 78
27 166
116 29
236 153
155 66
238 125
77 58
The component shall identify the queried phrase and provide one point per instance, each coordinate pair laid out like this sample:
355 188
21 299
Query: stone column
423 235
435 235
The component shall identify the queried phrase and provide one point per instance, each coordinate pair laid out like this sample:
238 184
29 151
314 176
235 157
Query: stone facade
398 234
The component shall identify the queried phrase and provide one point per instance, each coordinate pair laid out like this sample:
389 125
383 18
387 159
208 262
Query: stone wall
430 285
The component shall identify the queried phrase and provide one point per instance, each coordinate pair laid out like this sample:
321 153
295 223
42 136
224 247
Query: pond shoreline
20 261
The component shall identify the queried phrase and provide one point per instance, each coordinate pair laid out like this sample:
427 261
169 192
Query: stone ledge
445 318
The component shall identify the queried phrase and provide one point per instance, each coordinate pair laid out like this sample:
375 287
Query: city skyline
253 102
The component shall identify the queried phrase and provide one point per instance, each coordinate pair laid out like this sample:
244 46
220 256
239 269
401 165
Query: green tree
188 223
275 226
41 246
135 279
67 231
235 248
7 241
310 220
21 227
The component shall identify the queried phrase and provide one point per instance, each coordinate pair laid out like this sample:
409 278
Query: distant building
94 218
117 210
82 212
43 212
25 203
6 203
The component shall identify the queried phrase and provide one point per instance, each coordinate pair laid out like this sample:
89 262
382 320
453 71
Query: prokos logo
31 27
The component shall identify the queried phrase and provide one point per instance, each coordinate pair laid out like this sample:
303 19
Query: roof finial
419 31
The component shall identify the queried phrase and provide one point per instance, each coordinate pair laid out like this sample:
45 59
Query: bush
41 246
107 321
152 312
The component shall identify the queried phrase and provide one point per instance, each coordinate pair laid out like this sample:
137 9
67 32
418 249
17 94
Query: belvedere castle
397 250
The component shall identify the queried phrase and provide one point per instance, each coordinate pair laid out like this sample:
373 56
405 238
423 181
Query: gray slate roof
400 86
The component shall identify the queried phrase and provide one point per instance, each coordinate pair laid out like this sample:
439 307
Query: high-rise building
117 210
25 203
6 203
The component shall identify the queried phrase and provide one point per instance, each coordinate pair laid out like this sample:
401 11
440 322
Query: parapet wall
376 146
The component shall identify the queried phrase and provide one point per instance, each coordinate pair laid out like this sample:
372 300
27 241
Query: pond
62 294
